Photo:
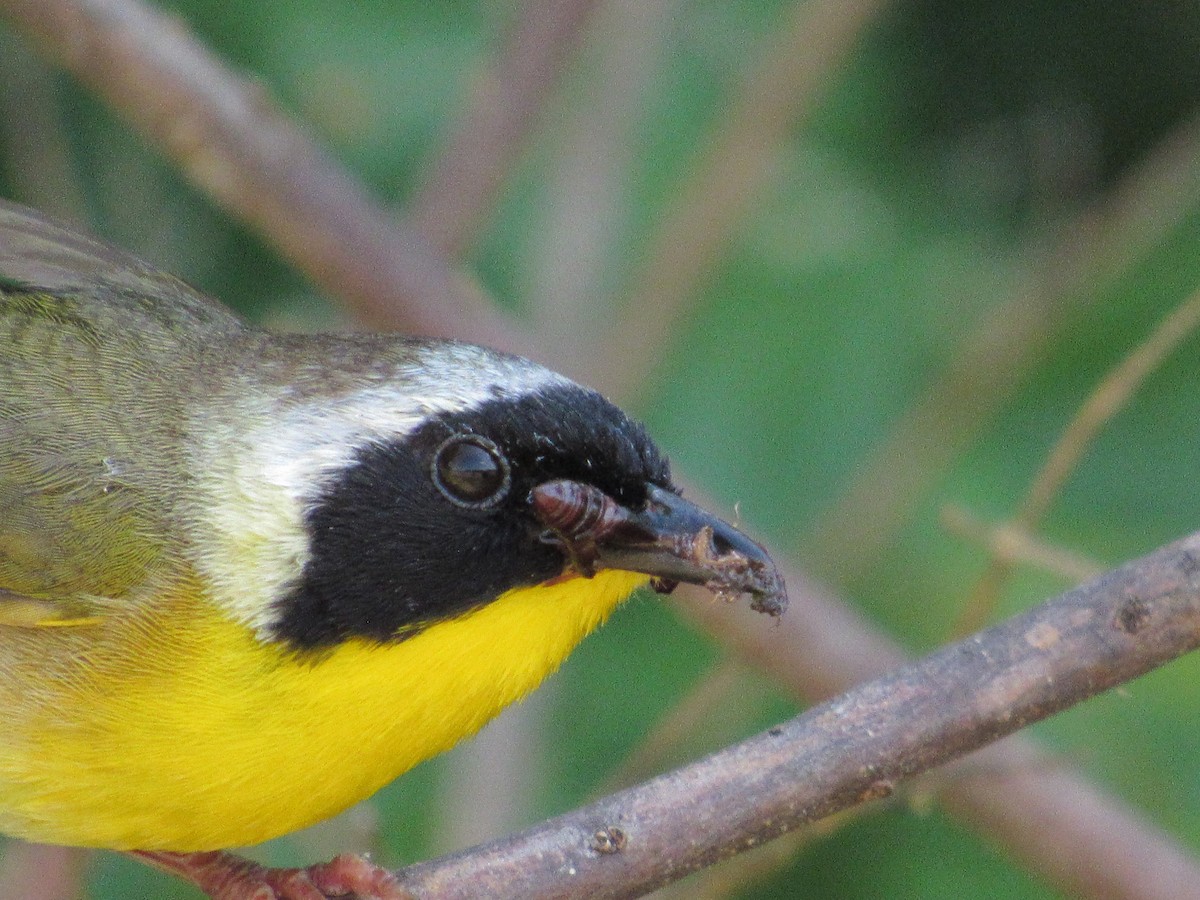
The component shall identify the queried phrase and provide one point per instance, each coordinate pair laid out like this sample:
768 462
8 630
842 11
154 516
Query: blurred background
927 230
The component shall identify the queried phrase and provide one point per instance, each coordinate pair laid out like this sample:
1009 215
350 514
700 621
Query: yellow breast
180 730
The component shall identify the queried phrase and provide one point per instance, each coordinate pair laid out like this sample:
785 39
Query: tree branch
1052 820
461 188
231 140
849 750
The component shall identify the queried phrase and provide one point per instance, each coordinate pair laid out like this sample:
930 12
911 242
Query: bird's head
468 474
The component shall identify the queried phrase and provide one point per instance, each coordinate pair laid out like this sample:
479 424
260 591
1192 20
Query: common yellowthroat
248 578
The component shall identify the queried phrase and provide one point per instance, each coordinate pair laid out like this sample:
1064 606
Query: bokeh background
971 214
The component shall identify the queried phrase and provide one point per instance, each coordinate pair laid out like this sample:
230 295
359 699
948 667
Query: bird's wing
89 399
36 251
77 523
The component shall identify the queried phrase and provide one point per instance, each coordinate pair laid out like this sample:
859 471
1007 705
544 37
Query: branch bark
1052 820
852 749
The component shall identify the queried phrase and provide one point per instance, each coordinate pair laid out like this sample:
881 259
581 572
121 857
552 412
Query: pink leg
224 876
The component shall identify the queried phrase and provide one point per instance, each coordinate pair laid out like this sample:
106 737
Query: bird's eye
471 471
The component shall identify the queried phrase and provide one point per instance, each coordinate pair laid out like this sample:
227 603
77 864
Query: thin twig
732 170
1011 543
462 187
1107 399
231 140
1110 397
1001 349
852 749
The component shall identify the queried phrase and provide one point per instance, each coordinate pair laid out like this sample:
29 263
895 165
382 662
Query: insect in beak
671 539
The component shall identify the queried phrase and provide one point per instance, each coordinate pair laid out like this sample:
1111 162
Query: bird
248 578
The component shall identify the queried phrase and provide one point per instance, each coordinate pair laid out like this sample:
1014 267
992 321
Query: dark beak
671 539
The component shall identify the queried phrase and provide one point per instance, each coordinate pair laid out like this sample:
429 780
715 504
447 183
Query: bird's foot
225 876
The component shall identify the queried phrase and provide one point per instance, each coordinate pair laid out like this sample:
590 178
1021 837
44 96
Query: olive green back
99 356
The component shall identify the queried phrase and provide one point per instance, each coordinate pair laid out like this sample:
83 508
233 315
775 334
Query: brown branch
1047 817
462 187
1107 399
851 749
230 139
724 181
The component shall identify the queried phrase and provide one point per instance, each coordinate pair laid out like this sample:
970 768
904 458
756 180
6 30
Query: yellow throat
183 731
